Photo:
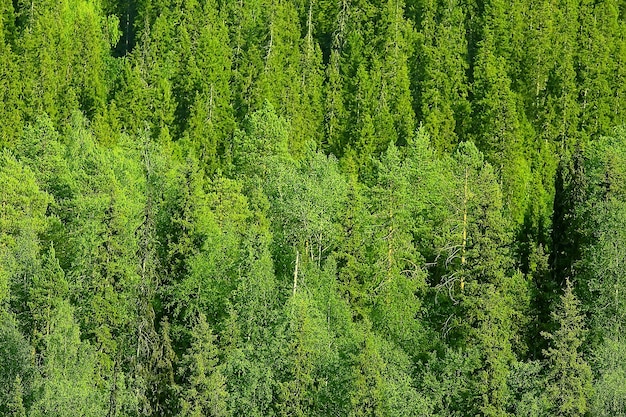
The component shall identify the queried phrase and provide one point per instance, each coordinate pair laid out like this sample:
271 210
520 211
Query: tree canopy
312 208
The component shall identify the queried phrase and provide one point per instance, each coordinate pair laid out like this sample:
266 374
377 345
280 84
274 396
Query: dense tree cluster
312 208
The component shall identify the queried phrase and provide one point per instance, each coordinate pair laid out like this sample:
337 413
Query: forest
313 208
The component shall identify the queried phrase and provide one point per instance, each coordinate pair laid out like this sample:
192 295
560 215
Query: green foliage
22 217
17 366
527 388
67 385
23 204
442 72
312 207
205 393
16 404
48 289
599 214
265 138
204 111
58 36
307 203
569 378
397 278
609 396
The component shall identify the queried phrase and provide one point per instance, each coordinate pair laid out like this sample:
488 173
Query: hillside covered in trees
312 208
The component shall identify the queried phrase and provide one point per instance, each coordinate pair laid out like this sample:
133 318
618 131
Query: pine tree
334 107
311 114
281 80
560 121
10 85
64 49
599 214
307 349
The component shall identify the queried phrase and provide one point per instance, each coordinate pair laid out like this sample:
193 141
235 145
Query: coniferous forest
312 208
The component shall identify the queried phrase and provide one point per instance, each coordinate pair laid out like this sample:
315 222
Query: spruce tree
568 373
203 392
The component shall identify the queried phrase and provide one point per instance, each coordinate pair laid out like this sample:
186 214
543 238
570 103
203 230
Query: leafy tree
17 368
22 217
527 387
102 270
225 207
24 204
307 202
253 332
215 228
67 385
265 137
445 382
477 292
609 396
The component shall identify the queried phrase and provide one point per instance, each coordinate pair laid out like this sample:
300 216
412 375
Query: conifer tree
561 118
48 289
397 276
60 36
204 112
11 113
599 28
600 213
499 133
204 392
281 79
334 106
441 66
568 373
16 404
